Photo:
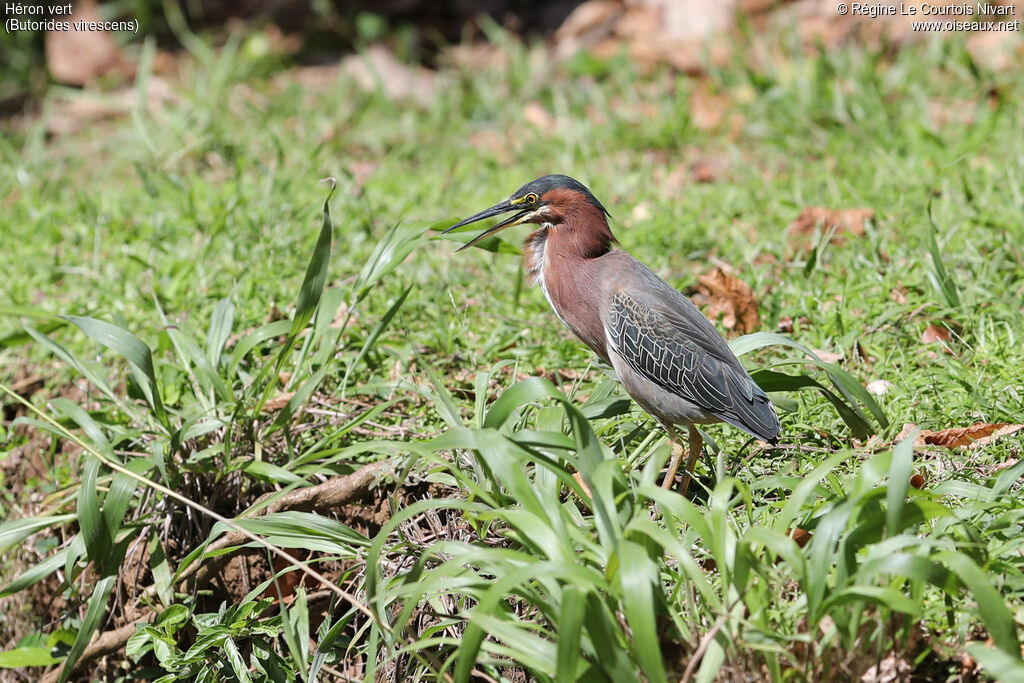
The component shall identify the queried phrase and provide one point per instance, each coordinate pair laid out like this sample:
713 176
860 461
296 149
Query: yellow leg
673 464
696 445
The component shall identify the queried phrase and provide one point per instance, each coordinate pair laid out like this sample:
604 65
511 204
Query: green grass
188 248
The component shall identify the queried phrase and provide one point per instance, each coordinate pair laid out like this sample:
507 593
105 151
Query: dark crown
545 184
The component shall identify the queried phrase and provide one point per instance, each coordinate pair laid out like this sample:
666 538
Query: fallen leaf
850 221
475 56
729 297
488 140
341 316
934 333
879 387
312 77
908 427
583 485
539 117
641 212
587 25
978 434
27 386
691 19
828 356
361 172
77 57
800 536
989 470
66 116
378 68
278 402
707 110
959 113
859 352
888 670
287 582
995 50
785 325
709 169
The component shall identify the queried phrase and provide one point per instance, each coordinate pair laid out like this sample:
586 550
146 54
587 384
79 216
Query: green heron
665 352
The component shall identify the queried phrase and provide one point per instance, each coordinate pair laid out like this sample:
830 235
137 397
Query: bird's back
677 361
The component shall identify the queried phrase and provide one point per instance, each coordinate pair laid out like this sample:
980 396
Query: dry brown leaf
379 68
641 212
843 220
539 117
889 670
785 325
859 351
879 387
989 470
729 297
908 427
691 19
67 116
77 57
996 50
800 536
489 141
707 110
975 436
287 582
709 169
361 172
935 333
341 316
278 402
978 434
828 356
583 485
587 25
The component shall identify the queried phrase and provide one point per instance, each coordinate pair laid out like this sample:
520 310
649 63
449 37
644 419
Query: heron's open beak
495 210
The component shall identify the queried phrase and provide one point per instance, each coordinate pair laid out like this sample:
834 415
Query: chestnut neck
577 228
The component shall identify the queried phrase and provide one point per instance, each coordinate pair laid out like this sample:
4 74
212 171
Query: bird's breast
571 284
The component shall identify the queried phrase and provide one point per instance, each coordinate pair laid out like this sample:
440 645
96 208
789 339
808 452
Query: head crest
545 184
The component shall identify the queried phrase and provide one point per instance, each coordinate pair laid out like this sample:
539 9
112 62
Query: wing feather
686 356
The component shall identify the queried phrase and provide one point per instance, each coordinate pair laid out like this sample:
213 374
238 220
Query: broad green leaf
36 573
387 255
938 275
97 605
246 344
1002 666
899 482
161 573
14 531
993 610
221 321
371 339
134 351
638 576
25 656
316 273
48 322
570 624
850 389
95 532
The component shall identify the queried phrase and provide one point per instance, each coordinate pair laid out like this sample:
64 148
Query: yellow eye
531 198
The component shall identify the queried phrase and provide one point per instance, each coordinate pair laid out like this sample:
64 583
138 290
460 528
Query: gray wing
681 351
